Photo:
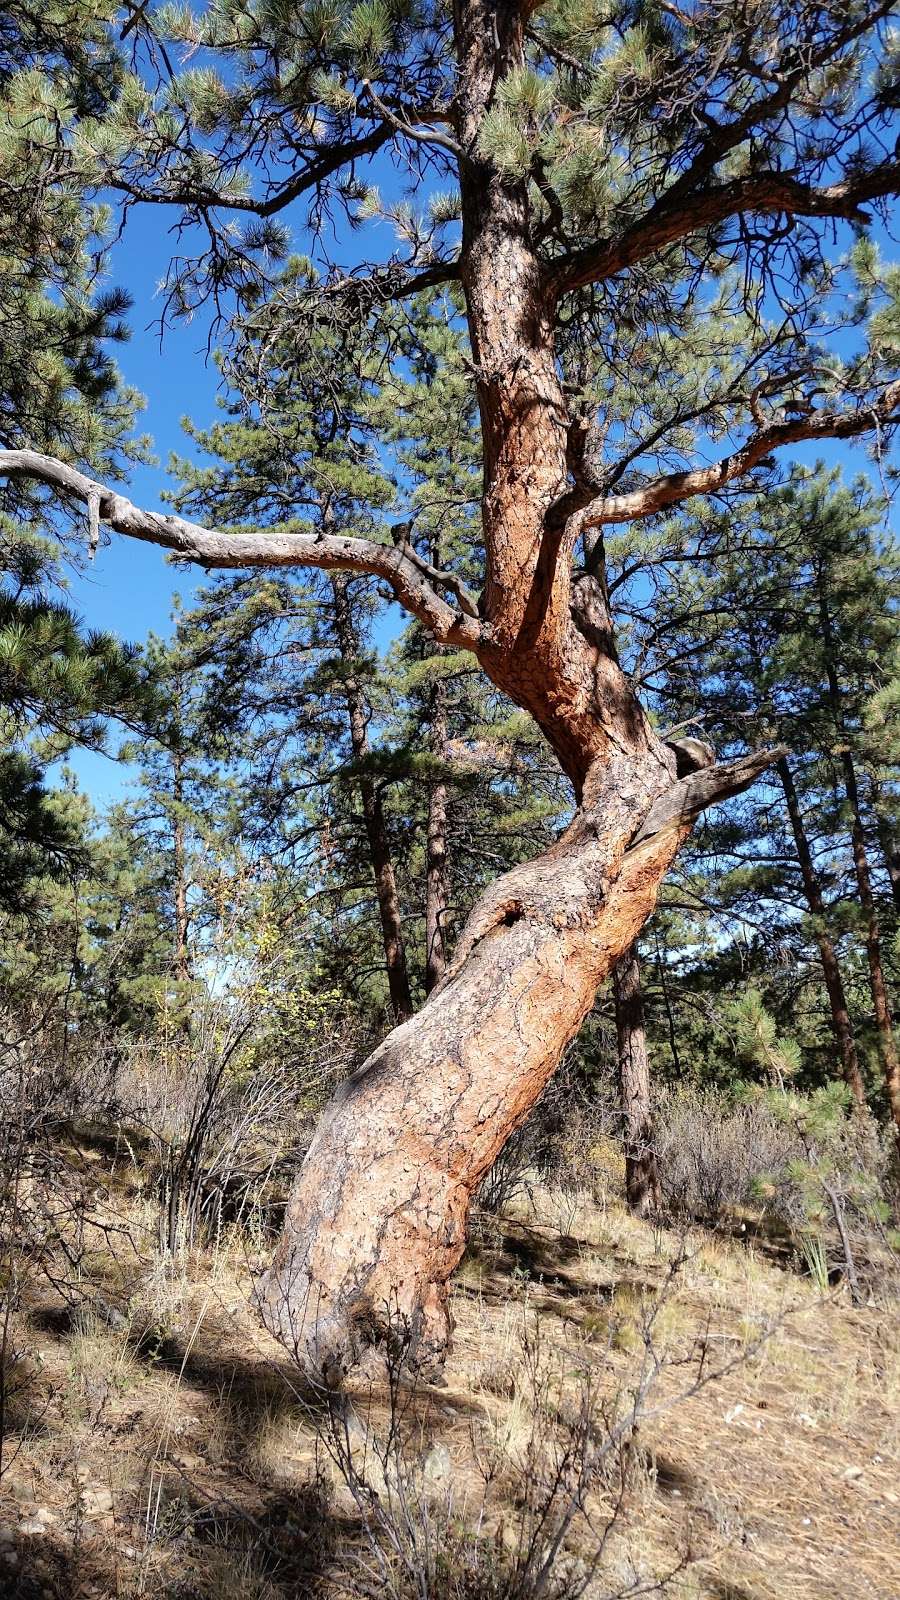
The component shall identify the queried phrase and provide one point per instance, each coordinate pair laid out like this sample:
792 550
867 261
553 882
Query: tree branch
675 486
316 172
212 549
763 192
424 135
686 799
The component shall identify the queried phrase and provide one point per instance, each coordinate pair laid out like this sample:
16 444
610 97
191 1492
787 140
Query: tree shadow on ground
547 1262
290 1539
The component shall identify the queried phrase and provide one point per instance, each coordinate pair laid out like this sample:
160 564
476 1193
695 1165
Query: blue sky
129 588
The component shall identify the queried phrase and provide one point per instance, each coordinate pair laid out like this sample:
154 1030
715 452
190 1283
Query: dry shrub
527 1509
222 1127
718 1156
712 1153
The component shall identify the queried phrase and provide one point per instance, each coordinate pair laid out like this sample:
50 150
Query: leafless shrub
711 1154
221 1125
718 1157
530 1515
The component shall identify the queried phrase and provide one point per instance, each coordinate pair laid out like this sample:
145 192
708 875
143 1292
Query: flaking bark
377 1221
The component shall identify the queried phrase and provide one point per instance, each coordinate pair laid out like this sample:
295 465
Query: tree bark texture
841 1024
377 1220
373 811
642 1190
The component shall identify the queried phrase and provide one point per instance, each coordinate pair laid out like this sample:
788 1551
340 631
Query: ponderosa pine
616 170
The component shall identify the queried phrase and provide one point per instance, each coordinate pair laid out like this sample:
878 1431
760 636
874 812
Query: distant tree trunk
179 851
841 1025
890 849
880 1005
642 1189
437 890
667 1002
373 811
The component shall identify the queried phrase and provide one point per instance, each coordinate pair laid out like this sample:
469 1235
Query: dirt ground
158 1445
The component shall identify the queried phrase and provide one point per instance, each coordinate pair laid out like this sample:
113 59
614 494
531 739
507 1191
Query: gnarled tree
637 252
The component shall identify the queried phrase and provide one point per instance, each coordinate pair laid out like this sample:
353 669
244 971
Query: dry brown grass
171 1456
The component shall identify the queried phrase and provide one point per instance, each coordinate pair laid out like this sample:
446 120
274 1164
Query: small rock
437 1464
96 1502
7 1533
33 1527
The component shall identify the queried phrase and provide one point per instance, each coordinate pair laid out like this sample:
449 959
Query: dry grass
171 1456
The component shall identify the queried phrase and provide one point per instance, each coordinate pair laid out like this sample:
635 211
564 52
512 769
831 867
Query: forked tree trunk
376 1223
373 811
642 1190
834 984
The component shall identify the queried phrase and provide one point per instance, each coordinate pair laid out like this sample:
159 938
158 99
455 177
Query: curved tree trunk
642 1190
377 1221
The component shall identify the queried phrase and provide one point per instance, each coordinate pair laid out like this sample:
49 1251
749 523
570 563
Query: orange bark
376 1223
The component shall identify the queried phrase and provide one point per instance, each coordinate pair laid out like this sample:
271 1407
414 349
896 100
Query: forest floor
158 1444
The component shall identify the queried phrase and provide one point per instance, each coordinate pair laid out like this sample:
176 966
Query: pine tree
804 568
612 178
642 1186
59 392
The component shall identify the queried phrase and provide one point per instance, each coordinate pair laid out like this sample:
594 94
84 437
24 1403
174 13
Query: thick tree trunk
642 1190
373 811
437 891
376 1223
834 985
